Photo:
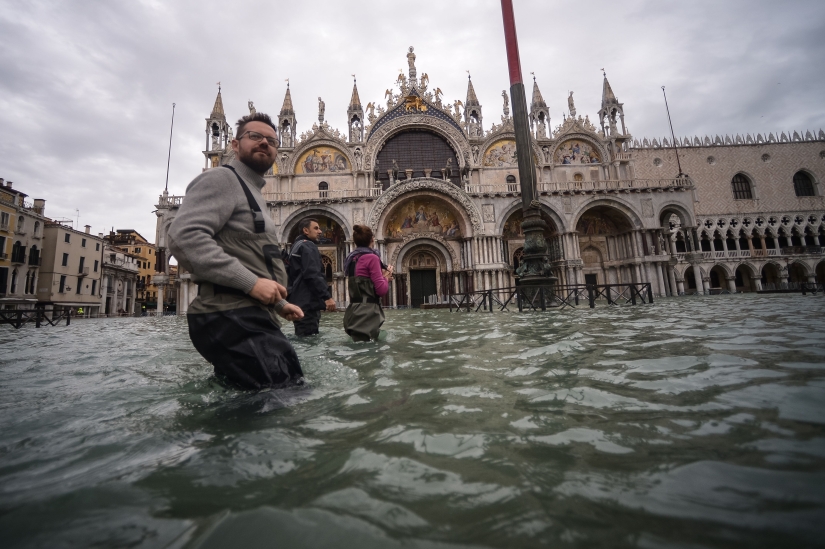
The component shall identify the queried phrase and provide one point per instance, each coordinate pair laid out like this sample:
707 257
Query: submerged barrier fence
541 298
19 317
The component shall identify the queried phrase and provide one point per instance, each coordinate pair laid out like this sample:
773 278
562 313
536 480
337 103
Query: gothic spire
355 101
471 94
217 110
538 100
608 97
286 108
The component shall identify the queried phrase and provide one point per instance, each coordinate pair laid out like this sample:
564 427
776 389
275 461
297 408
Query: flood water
694 422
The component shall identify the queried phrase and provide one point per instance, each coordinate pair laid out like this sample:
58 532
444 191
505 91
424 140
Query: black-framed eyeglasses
257 137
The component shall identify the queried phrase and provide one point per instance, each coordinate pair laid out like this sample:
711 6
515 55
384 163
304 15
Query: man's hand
291 312
268 292
330 303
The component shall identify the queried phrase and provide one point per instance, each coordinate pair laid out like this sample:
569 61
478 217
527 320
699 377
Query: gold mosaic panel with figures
322 160
423 215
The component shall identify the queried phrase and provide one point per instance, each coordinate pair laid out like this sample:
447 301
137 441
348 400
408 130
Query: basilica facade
440 188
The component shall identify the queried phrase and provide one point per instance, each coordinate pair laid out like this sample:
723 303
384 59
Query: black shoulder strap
257 214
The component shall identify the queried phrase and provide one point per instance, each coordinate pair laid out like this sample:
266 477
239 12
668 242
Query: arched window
511 183
323 187
802 184
36 228
21 224
34 256
741 187
13 289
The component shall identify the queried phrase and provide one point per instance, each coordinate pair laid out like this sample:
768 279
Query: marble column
756 282
732 284
697 277
660 274
680 287
671 276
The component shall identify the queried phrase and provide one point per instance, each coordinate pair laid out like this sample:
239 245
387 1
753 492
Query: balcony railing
802 250
83 271
170 201
610 185
35 261
4 256
336 194
4 226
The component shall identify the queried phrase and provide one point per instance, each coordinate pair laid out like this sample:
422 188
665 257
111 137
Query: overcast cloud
86 87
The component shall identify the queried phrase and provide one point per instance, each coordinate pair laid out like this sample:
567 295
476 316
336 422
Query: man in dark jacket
307 284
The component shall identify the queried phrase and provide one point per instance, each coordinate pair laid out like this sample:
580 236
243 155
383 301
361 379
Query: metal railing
19 317
541 298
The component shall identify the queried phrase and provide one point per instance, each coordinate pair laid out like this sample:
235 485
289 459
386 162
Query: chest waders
239 335
364 315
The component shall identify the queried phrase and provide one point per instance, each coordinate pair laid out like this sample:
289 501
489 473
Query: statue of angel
457 106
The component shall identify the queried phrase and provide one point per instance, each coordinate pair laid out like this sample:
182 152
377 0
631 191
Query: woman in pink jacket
367 285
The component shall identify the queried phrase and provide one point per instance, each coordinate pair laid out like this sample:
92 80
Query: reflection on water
696 422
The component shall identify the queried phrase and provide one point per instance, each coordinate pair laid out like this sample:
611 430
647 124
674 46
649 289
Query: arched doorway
718 279
744 279
797 273
820 273
331 244
422 271
513 240
770 277
421 234
605 234
422 151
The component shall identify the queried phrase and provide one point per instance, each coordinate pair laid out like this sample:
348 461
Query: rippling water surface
696 422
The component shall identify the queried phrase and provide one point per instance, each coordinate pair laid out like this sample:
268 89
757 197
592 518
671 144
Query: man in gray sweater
223 236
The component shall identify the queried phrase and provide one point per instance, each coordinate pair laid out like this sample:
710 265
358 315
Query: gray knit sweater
215 202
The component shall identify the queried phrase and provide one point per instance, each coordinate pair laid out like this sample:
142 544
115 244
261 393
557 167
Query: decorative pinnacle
287 83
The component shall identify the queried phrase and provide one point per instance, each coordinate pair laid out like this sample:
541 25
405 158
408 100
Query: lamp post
535 266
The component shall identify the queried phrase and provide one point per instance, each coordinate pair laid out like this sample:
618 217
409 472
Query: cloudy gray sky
86 87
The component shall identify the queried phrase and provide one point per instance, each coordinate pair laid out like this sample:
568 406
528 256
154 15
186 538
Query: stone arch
412 241
744 274
308 211
591 140
493 138
806 269
324 141
558 219
820 272
615 203
725 268
457 140
383 205
681 212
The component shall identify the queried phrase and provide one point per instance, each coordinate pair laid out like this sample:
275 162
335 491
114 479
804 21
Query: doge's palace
440 189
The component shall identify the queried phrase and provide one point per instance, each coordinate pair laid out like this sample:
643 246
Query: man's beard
256 163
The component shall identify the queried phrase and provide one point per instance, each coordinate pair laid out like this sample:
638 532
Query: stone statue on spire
571 106
322 107
411 63
251 106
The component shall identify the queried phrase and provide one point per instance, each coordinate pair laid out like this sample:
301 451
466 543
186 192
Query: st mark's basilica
439 187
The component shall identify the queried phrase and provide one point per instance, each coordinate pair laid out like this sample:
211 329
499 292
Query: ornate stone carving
488 212
425 236
391 194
